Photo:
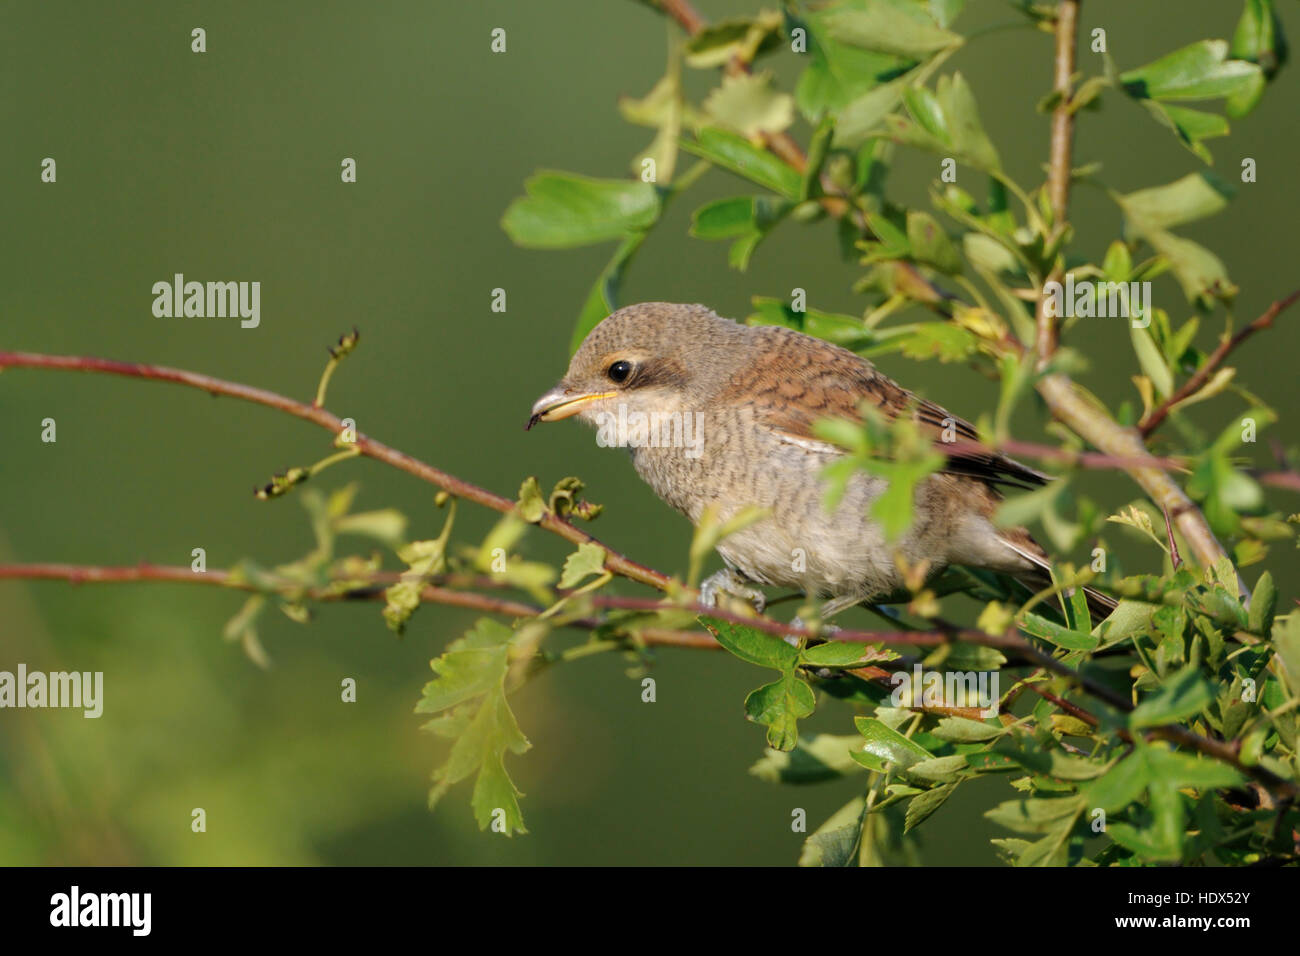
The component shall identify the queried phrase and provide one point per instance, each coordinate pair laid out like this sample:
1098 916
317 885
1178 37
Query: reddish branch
1202 375
371 591
685 15
653 636
364 444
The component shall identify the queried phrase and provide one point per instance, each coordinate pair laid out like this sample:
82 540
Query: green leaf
835 842
923 805
748 219
838 73
531 504
941 340
747 104
845 330
1118 264
1201 71
928 112
562 210
424 559
1181 697
663 109
752 645
946 11
740 156
1054 633
470 692
895 508
862 117
1177 771
779 706
1191 126
1051 763
1036 815
931 244
1119 786
1152 362
1263 605
1286 642
1193 197
1023 509
723 218
1201 274
988 253
716 44
241 628
887 27
1258 37
885 746
938 769
471 666
843 654
964 730
588 560
481 743
565 500
839 431
965 130
387 525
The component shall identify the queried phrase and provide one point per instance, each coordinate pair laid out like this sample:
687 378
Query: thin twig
364 444
369 590
1202 375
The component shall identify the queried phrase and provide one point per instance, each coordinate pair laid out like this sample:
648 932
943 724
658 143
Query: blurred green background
225 165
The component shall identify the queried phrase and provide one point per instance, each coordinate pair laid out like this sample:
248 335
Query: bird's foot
797 621
823 614
730 582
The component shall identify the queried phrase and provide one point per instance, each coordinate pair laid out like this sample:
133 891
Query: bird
718 417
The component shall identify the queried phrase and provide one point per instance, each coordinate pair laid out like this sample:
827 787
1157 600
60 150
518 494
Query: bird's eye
619 371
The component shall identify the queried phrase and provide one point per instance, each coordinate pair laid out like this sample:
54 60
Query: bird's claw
728 581
825 628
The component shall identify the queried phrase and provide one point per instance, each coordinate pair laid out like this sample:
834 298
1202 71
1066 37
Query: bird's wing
794 380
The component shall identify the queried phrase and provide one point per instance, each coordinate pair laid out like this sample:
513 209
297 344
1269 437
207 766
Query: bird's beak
562 402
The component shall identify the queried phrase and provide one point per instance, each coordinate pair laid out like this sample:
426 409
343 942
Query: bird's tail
1040 577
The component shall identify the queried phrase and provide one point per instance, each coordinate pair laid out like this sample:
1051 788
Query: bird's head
655 356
